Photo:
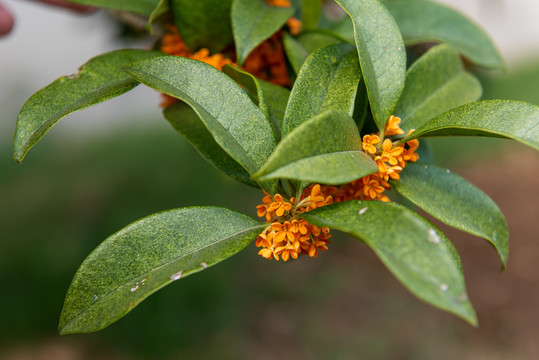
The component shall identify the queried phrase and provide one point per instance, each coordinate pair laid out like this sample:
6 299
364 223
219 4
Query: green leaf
310 13
234 121
253 21
295 52
381 54
415 251
204 23
435 83
147 255
96 81
159 10
456 202
317 39
427 21
186 122
270 98
143 7
494 118
328 80
325 149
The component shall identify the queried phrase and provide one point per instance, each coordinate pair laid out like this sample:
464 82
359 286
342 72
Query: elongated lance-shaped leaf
204 23
253 21
415 251
96 81
456 202
435 83
161 8
228 113
427 21
494 118
143 7
327 80
381 54
325 149
186 122
271 98
151 253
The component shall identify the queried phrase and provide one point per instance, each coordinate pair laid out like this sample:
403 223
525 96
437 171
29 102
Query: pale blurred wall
47 43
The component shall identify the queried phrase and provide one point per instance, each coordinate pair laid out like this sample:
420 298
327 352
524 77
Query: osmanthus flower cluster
294 120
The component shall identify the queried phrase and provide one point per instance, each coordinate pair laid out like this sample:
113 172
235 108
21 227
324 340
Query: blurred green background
72 192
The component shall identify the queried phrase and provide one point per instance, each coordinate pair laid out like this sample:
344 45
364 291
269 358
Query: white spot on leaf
176 276
134 288
203 265
433 236
444 287
362 211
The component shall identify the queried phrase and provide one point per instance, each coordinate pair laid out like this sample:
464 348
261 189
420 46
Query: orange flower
392 126
368 143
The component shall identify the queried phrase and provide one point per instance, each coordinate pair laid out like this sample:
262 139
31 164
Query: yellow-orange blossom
288 235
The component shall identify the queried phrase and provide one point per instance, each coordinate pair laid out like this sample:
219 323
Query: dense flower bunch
288 235
391 158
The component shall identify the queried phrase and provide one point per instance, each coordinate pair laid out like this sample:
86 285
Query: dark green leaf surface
416 252
96 81
327 80
317 39
204 23
427 21
271 99
228 113
310 13
151 253
496 118
253 21
186 122
381 54
143 7
435 83
325 149
456 202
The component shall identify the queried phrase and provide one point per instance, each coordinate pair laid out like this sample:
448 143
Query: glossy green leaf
456 202
270 98
325 149
495 118
228 113
96 81
381 54
427 21
310 13
186 122
143 7
253 21
147 255
327 80
435 83
415 251
161 8
204 23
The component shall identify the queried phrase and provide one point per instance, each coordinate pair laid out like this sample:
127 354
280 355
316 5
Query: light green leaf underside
235 122
325 149
96 81
147 255
416 252
494 118
204 23
435 83
381 54
143 7
327 80
271 99
253 21
427 21
186 122
456 202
